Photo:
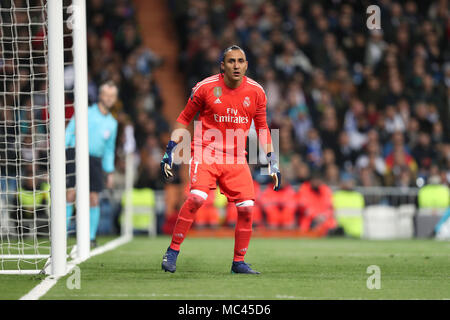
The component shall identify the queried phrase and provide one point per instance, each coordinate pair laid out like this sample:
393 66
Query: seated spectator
397 161
372 159
315 202
397 140
332 175
424 153
393 121
346 156
314 148
347 198
278 206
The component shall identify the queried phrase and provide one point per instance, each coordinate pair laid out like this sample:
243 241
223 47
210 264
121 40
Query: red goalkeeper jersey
225 117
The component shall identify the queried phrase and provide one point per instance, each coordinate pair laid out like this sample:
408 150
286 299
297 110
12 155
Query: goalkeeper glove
167 160
274 172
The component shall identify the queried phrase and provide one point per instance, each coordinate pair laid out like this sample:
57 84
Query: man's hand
167 160
274 172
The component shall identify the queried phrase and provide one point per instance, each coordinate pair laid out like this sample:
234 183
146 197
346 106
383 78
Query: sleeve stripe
253 82
201 84
216 77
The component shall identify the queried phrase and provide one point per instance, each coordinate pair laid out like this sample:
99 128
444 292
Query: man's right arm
193 106
176 135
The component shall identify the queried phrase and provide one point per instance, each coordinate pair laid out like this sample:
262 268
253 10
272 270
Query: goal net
25 215
43 79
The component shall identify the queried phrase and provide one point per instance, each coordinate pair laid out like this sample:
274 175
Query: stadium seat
425 221
380 222
385 222
143 210
405 223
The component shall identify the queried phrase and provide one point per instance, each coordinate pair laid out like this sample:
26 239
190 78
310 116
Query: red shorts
235 180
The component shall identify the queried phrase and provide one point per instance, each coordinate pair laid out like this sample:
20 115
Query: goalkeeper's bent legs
186 217
243 230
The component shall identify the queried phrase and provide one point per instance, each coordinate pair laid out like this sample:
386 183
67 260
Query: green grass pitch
291 269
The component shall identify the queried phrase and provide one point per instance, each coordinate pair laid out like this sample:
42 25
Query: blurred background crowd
370 103
352 104
355 106
116 52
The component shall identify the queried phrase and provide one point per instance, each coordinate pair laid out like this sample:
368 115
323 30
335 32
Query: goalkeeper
227 102
102 132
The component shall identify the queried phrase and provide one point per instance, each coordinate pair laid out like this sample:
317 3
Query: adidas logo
217 101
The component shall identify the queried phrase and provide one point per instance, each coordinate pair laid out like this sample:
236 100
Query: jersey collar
232 90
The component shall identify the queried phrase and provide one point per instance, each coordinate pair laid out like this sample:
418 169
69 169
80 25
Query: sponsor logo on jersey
230 118
217 101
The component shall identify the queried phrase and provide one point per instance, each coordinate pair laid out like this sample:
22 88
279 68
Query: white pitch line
207 296
46 284
217 296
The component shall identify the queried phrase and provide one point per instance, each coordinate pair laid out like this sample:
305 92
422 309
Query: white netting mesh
24 132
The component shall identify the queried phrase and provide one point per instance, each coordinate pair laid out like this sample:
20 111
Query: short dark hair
230 48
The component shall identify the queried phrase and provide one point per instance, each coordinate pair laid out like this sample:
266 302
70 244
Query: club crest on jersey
246 102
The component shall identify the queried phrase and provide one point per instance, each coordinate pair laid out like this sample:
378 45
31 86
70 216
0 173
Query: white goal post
33 79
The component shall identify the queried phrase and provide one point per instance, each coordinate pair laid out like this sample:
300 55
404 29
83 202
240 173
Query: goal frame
57 259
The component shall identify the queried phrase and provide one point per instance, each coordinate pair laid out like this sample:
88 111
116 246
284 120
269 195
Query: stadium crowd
353 104
370 103
116 52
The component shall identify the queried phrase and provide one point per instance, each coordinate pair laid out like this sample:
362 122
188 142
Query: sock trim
246 203
200 193
184 219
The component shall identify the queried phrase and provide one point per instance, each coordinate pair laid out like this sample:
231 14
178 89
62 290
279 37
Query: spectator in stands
424 153
315 202
384 86
372 159
396 162
279 209
347 198
346 156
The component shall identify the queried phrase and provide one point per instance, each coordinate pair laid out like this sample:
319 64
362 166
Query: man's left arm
109 156
265 138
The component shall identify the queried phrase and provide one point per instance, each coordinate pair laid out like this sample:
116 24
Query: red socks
243 232
185 219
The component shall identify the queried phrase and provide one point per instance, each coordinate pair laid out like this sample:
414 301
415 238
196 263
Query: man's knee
93 199
70 195
245 206
245 209
196 199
